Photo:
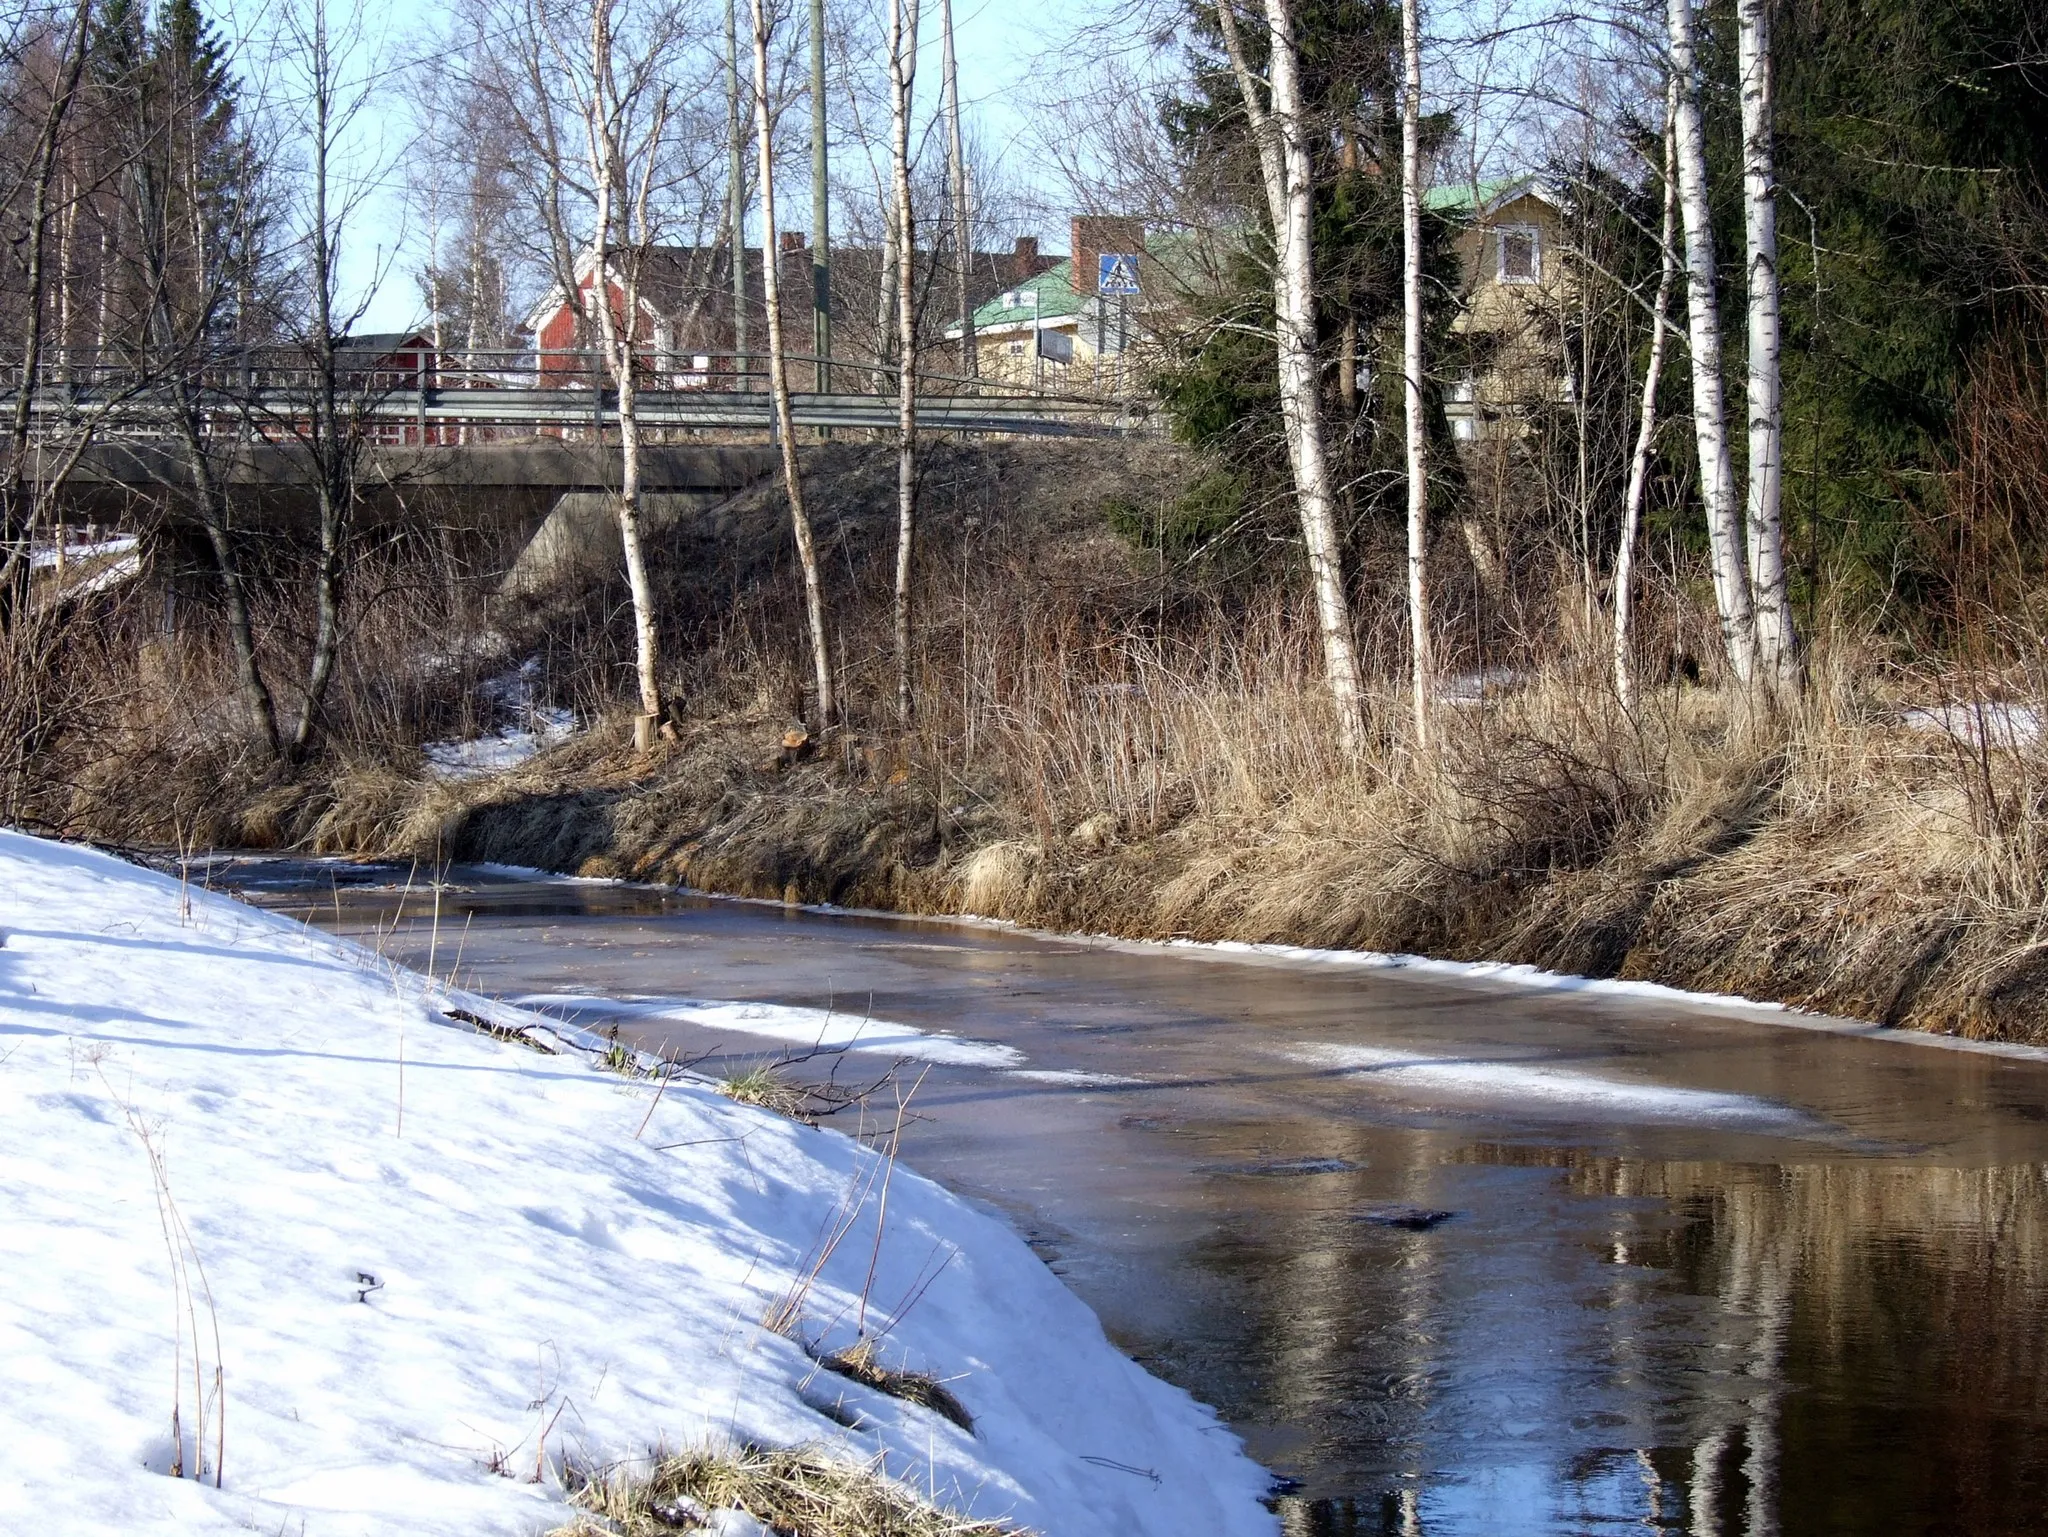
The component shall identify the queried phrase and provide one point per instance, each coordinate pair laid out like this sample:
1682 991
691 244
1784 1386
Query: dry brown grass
765 1088
800 1492
1112 742
863 1363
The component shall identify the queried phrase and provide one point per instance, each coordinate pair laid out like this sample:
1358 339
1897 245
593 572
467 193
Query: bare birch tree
1703 323
903 29
778 378
1646 428
1282 139
330 431
609 88
17 501
821 208
1777 644
1411 366
625 117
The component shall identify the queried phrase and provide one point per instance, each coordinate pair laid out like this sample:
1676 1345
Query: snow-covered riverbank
244 1164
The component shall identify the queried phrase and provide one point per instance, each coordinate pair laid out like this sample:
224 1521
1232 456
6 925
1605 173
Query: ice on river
824 1030
244 1163
1532 1088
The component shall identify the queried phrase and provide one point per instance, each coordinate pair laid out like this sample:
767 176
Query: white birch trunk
1411 366
1284 164
1703 324
885 296
1777 645
1646 433
903 23
778 383
68 225
617 332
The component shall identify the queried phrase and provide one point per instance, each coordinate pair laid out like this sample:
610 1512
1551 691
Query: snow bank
432 1254
502 750
46 554
535 727
1985 723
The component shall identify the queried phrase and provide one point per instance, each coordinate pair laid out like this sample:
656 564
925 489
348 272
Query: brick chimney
793 242
1024 260
1094 233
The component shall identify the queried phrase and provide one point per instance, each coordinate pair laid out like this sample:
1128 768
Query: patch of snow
1985 724
533 726
503 750
824 1030
120 544
1535 1089
111 575
1473 687
1070 1078
1509 973
435 1263
515 691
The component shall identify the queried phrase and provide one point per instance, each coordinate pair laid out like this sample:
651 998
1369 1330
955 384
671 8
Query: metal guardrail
271 393
586 408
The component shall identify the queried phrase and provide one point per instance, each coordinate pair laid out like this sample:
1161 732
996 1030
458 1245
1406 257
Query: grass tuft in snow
798 1492
763 1086
863 1364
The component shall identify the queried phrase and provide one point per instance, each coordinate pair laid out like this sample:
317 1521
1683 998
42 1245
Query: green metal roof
1460 199
1056 298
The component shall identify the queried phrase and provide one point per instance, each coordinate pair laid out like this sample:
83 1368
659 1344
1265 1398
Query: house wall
1514 325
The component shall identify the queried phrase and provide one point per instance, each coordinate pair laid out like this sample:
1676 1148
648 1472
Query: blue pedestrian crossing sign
1116 273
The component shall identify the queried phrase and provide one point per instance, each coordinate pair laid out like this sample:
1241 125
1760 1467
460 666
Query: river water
1453 1256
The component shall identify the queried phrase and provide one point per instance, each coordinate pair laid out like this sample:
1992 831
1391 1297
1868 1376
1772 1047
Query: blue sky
999 42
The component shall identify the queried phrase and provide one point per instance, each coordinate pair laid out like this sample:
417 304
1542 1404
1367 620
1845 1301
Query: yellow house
1057 331
1516 293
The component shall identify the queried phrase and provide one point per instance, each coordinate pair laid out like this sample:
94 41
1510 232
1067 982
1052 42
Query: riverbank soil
1121 729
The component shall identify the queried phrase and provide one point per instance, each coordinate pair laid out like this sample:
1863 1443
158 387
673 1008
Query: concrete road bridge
509 450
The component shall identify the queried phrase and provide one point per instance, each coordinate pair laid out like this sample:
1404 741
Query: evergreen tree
1220 388
1912 137
193 223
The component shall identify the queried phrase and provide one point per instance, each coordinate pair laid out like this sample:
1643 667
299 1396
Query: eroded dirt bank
1743 882
1121 729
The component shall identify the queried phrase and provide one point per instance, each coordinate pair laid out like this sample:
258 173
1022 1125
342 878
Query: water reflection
1828 1321
1726 1349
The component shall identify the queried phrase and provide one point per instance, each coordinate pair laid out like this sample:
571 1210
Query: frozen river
1452 1255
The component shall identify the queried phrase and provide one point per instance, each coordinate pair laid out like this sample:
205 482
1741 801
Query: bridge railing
413 396
360 377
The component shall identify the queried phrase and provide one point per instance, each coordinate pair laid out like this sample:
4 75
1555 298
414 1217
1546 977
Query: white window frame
1500 247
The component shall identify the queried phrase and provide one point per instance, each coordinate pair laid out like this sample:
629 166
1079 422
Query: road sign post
1116 277
1116 273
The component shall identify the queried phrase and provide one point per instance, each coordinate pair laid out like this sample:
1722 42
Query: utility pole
736 195
821 209
956 180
